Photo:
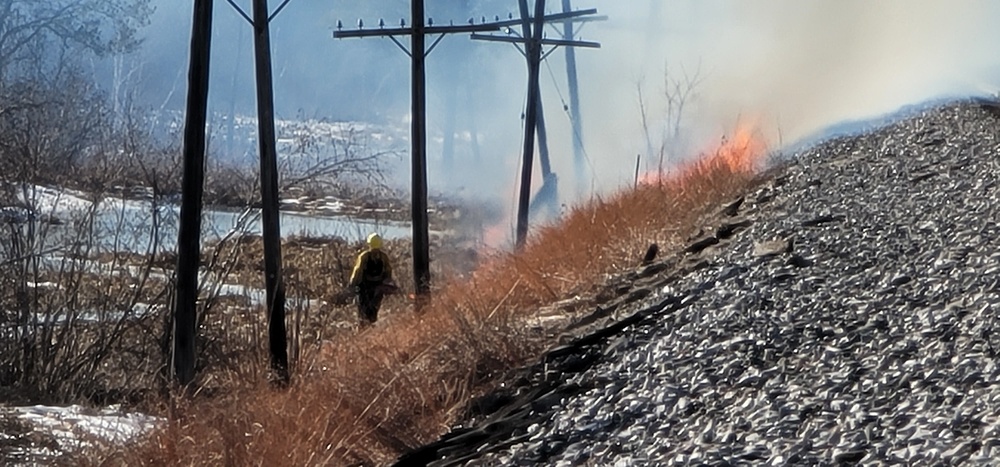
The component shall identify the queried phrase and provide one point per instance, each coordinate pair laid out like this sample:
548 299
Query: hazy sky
792 67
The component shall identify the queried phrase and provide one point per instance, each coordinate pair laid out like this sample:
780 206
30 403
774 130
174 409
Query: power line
574 128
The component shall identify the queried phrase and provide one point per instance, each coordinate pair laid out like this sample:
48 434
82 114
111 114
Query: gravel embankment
845 315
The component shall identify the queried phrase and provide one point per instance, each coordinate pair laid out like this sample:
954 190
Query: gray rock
773 247
878 344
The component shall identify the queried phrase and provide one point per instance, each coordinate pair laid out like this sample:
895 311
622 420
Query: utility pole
574 103
533 50
189 230
548 194
418 163
271 231
273 282
418 125
533 42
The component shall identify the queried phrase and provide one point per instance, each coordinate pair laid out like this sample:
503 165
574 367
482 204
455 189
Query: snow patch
76 426
52 201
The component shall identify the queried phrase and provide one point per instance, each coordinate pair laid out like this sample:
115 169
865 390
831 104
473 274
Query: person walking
371 278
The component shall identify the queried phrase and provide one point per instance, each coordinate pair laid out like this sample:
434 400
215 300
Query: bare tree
99 27
71 291
323 155
43 45
678 92
30 149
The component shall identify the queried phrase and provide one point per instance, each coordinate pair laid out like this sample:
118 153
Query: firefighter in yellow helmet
371 278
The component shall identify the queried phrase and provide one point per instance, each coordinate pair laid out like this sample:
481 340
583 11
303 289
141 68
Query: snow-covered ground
128 225
54 431
45 200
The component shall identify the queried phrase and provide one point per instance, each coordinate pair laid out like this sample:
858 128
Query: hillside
843 312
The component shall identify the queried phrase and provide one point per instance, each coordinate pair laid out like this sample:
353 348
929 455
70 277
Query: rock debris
869 339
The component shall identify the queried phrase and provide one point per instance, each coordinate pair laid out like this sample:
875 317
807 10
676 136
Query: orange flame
742 152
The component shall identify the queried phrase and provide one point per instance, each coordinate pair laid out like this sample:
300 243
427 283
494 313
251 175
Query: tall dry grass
363 399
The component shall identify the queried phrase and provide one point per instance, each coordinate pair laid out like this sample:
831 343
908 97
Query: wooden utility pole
574 103
548 194
533 50
273 282
534 67
418 122
189 230
533 42
418 149
271 231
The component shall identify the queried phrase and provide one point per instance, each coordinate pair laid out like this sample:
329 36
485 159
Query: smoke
796 67
791 67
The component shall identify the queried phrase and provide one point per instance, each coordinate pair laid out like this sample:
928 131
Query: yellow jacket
367 270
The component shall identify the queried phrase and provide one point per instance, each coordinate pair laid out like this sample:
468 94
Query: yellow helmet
374 241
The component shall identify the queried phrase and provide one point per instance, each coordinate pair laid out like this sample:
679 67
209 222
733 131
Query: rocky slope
842 313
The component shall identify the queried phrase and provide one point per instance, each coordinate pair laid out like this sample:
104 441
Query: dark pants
369 301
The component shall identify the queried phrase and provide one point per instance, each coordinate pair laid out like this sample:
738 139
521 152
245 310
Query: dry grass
364 398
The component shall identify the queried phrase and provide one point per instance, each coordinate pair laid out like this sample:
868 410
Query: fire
742 152
494 236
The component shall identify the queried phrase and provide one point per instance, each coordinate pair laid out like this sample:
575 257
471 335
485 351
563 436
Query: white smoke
794 67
